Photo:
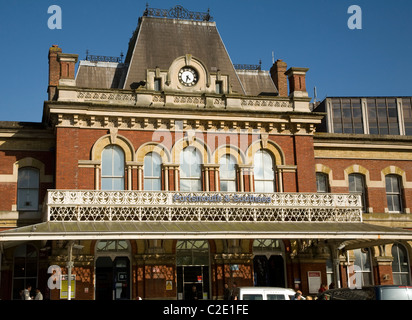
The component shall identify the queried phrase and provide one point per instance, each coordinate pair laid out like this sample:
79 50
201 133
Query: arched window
152 172
112 245
393 193
192 252
190 170
363 263
264 172
112 168
227 173
357 185
28 189
400 265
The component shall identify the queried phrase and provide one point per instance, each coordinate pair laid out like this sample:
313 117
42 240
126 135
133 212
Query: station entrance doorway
193 269
112 270
269 263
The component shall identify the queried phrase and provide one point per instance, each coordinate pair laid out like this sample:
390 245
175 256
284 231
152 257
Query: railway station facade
176 169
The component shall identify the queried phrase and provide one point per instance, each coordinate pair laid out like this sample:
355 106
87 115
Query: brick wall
74 144
375 188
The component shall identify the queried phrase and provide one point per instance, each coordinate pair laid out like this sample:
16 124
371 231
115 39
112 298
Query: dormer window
157 84
219 87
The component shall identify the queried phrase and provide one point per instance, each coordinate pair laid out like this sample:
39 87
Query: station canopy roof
352 234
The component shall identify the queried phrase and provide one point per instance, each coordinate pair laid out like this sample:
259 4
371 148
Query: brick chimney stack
54 71
279 78
61 70
297 82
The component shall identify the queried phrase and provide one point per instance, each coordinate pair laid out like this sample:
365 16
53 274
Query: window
263 171
157 84
347 116
363 266
112 245
400 265
192 252
407 115
219 87
190 170
112 168
227 173
357 185
25 264
152 172
322 182
393 193
383 116
28 189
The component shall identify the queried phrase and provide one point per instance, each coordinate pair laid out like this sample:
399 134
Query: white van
265 293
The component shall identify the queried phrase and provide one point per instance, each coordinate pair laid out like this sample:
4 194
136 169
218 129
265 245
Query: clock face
188 76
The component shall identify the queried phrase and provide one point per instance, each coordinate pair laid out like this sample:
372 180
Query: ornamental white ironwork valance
98 205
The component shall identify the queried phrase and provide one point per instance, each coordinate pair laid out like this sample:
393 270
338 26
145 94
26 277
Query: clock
188 76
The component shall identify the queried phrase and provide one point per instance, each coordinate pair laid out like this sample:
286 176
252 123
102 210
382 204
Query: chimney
297 82
279 78
67 68
54 71
61 70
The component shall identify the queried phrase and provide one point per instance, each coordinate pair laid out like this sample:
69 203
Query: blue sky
373 61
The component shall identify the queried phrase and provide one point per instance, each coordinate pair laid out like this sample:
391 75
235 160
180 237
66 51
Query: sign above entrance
233 197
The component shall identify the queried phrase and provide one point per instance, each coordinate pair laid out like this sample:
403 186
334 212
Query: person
235 291
39 295
226 293
194 295
332 285
298 295
26 293
323 288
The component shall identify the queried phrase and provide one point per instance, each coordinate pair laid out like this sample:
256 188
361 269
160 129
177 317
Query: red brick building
178 169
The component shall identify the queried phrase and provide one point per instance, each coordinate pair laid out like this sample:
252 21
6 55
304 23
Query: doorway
112 269
269 263
269 272
192 265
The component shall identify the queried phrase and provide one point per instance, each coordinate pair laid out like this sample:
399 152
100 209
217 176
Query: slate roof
157 42
257 82
102 75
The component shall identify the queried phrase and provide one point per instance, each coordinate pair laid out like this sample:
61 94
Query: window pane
152 172
28 199
268 186
190 170
28 178
322 184
393 193
107 161
400 265
156 185
28 189
112 168
263 171
106 184
148 168
407 114
227 172
157 165
118 162
184 185
117 184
